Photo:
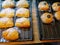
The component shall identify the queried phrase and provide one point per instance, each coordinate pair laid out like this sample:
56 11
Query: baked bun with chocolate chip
56 6
43 6
47 18
57 15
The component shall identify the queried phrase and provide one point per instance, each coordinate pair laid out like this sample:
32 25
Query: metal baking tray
25 34
48 31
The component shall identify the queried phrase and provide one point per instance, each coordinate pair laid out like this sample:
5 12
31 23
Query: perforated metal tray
48 31
25 34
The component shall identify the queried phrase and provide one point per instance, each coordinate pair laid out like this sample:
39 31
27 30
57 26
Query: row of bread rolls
48 17
43 6
21 12
20 22
8 13
11 4
11 33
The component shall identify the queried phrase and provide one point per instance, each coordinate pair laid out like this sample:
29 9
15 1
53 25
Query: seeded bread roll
56 6
43 6
47 18
10 34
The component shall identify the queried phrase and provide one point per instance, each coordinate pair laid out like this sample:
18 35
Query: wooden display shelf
36 38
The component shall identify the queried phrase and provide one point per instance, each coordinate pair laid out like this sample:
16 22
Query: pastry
10 34
43 6
22 12
8 12
47 18
8 4
57 15
6 22
22 3
22 23
56 6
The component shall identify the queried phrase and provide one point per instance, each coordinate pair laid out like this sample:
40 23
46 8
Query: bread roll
57 15
56 6
22 3
43 6
22 23
8 4
8 12
10 34
22 12
47 18
6 22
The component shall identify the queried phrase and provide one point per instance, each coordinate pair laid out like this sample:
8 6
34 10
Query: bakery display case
32 24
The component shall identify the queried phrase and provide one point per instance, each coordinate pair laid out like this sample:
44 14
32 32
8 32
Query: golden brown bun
22 3
22 23
6 22
43 6
8 12
57 15
56 6
22 12
8 4
47 18
10 34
